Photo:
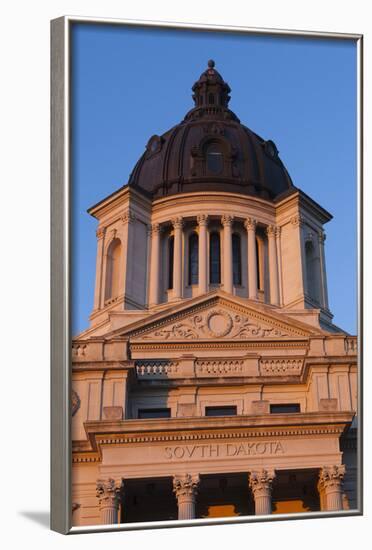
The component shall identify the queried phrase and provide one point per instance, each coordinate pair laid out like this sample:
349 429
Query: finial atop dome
211 89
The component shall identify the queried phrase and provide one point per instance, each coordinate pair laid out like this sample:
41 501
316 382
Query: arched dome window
214 158
193 259
170 261
211 99
237 259
113 270
214 259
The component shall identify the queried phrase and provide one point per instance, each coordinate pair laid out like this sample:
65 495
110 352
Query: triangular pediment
217 316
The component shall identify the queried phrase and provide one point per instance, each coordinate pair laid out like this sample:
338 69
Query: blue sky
130 83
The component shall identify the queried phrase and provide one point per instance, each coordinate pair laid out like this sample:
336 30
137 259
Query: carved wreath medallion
219 323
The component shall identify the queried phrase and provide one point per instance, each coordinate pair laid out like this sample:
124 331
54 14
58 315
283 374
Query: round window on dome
214 159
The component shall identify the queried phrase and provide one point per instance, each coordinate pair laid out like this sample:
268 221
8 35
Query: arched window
214 259
211 99
193 259
237 259
170 261
214 159
112 270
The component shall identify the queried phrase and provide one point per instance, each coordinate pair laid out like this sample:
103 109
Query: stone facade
211 386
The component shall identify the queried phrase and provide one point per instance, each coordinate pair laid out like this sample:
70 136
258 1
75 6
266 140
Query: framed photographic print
206 362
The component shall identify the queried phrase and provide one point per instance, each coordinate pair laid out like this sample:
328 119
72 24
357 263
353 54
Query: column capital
278 231
154 228
108 492
260 482
177 222
298 220
202 219
128 217
271 230
321 237
250 224
227 220
186 485
100 233
330 476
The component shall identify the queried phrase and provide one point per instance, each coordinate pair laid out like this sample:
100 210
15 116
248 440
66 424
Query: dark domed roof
210 150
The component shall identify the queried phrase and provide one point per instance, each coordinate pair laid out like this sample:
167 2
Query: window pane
229 410
215 259
214 159
237 260
154 413
193 259
285 408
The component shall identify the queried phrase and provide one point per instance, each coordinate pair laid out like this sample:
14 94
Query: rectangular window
154 413
285 408
229 410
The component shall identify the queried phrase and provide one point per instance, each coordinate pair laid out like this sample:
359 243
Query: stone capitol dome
210 150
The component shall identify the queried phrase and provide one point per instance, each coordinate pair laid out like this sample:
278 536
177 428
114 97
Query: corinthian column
177 257
108 493
185 488
203 253
227 222
99 266
260 483
154 281
273 265
330 487
250 225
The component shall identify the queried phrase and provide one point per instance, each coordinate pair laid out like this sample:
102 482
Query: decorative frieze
216 323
